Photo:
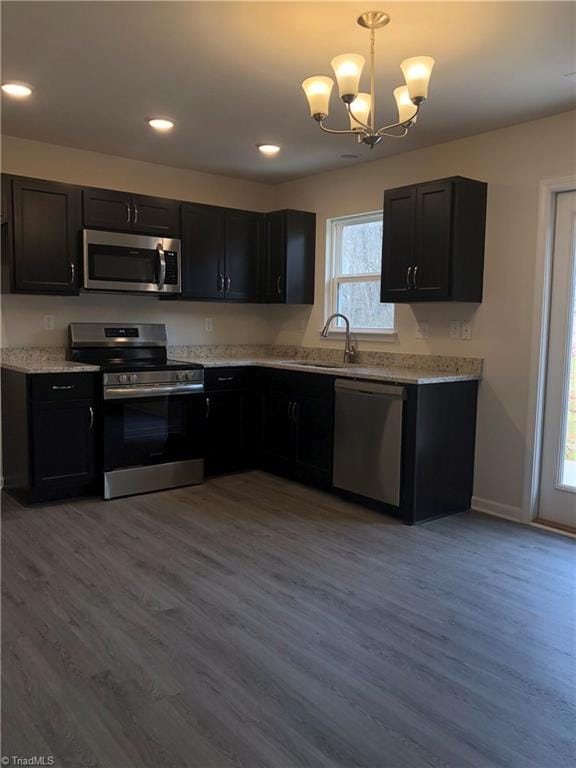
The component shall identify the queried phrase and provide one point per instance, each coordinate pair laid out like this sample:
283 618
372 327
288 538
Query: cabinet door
202 252
278 428
229 431
275 262
398 244
315 430
244 236
155 216
46 236
107 209
431 277
63 443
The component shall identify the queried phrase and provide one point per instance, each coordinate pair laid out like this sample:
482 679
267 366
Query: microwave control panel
171 267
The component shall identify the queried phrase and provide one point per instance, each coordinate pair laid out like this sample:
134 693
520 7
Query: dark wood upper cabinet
46 236
243 241
202 252
290 256
109 209
433 241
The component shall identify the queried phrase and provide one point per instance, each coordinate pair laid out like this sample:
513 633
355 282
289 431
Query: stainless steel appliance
118 261
153 409
368 439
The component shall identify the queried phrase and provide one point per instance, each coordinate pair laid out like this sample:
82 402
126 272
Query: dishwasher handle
390 391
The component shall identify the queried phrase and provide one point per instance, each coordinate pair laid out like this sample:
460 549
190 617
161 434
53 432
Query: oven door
116 261
152 443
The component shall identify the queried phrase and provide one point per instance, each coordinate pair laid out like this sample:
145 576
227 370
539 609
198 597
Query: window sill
388 337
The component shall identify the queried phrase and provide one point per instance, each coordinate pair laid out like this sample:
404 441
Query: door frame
548 190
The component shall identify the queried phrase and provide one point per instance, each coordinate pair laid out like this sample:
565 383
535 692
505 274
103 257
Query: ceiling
229 74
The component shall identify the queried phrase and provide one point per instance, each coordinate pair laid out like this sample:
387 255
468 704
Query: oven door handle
161 266
128 393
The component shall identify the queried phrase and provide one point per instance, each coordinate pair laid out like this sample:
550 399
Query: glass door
558 478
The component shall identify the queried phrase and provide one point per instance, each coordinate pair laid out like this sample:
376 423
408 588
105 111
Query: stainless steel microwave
117 261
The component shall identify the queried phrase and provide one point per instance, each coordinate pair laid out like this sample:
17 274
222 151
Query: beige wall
23 316
513 161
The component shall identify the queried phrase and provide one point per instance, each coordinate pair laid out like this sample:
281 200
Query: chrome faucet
349 349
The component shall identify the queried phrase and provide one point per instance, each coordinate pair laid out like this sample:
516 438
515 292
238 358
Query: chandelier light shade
318 90
406 108
348 70
361 106
417 71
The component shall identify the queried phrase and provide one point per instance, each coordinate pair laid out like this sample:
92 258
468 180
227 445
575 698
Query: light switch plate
48 322
454 329
208 325
466 331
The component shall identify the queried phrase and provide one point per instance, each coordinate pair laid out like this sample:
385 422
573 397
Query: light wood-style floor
254 622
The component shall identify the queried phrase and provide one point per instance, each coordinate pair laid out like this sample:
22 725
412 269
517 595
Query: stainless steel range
152 433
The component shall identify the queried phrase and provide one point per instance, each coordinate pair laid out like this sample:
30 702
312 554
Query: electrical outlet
208 325
422 331
48 322
454 329
466 331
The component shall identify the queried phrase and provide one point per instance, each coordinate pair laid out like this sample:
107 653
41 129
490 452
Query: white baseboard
497 508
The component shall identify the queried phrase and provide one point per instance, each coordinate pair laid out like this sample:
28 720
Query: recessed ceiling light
268 150
19 90
161 124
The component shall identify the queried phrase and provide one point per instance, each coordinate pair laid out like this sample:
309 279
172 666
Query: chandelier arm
406 124
331 130
353 116
381 132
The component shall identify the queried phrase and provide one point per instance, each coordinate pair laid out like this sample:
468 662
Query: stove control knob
133 378
190 375
181 376
123 378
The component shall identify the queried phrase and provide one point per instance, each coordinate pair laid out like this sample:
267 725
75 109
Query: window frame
334 277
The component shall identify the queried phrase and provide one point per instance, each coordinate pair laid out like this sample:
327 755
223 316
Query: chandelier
361 107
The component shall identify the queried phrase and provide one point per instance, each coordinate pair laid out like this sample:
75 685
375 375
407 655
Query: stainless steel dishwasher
368 439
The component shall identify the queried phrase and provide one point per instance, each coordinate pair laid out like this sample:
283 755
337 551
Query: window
353 274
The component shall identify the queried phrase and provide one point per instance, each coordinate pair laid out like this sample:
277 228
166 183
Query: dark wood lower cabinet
298 425
49 424
281 421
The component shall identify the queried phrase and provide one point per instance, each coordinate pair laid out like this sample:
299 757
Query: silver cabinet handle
279 285
408 273
72 274
225 378
228 283
91 412
128 213
290 404
207 412
162 266
135 213
414 283
294 407
68 386
220 283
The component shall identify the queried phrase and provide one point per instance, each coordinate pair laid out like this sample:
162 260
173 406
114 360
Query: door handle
162 266
408 273
207 412
72 274
91 412
128 213
414 283
294 410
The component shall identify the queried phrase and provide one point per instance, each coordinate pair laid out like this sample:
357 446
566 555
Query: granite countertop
371 373
417 369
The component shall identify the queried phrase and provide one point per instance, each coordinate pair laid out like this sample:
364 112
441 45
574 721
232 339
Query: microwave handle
162 266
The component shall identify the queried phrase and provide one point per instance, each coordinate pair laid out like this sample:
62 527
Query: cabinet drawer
226 378
62 386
